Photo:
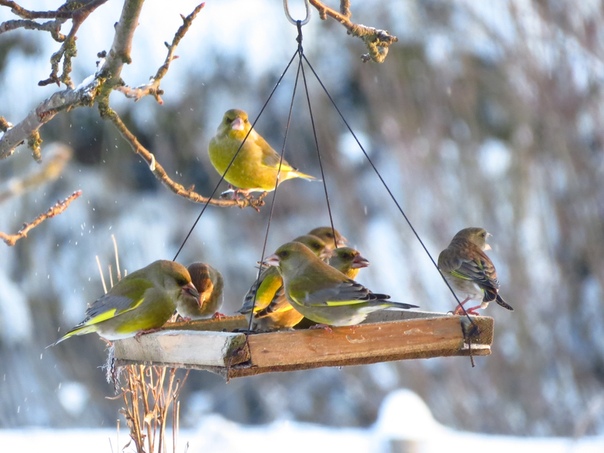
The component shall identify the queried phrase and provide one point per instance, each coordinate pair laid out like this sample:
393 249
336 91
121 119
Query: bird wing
270 157
347 292
125 297
480 271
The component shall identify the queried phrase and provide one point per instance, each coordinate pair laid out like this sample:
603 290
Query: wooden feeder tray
215 345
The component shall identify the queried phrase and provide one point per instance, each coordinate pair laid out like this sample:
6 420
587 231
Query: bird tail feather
503 303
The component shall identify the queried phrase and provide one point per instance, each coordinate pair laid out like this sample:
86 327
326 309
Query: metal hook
291 19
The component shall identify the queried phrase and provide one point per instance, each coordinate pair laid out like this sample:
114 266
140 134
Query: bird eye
284 254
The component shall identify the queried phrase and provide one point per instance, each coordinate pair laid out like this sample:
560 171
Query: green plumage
256 166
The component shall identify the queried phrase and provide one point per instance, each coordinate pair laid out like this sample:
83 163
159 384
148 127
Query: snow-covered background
484 113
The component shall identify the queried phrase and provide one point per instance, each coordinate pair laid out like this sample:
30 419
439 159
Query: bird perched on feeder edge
470 271
139 303
323 294
271 310
209 284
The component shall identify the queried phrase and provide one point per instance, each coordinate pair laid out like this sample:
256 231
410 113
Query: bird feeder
222 346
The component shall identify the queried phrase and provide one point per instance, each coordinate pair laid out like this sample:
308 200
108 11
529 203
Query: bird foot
325 327
472 310
219 315
145 332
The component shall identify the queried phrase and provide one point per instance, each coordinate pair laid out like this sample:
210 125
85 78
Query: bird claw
325 327
145 332
219 315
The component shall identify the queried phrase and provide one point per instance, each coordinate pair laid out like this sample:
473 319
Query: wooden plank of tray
364 344
205 345
183 348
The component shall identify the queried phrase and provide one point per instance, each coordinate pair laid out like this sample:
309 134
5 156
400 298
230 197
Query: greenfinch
348 261
257 167
139 303
323 294
469 270
209 284
332 237
279 313
271 308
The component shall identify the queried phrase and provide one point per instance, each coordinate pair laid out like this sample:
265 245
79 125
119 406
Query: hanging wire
399 207
314 132
272 206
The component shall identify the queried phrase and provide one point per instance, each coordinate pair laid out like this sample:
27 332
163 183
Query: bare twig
76 11
68 49
377 41
152 88
59 207
67 11
51 26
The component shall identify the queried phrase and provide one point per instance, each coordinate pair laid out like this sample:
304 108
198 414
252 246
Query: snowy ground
405 424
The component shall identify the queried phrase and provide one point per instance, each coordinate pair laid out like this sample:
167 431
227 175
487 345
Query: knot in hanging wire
298 23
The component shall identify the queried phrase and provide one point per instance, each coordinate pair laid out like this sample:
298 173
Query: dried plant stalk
148 394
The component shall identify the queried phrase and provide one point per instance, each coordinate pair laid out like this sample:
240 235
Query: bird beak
487 246
237 124
272 260
342 242
190 290
359 262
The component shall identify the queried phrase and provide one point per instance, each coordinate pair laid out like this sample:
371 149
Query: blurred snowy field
405 424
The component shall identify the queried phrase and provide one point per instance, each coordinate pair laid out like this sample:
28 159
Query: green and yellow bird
271 310
348 261
139 303
324 294
469 270
332 237
257 165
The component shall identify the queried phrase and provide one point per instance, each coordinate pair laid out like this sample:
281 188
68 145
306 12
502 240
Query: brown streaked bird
470 271
209 283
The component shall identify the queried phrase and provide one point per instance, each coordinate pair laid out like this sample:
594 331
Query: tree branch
59 207
152 88
377 41
52 26
43 113
67 11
